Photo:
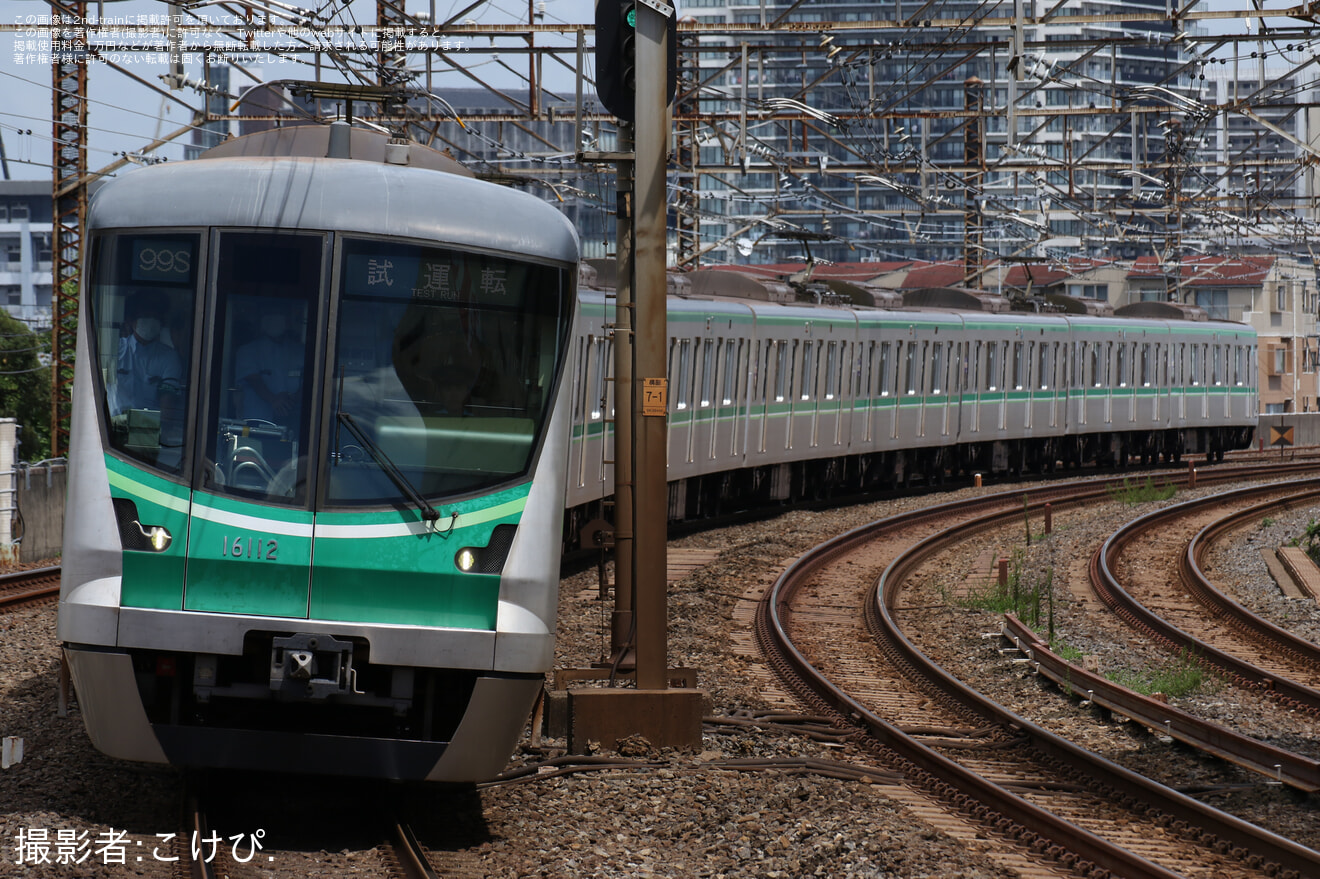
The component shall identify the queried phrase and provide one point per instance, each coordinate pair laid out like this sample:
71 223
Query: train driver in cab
270 369
148 372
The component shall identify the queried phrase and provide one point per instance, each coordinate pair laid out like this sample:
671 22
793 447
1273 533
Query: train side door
250 544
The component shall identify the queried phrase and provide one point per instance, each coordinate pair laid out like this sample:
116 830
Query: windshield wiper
429 513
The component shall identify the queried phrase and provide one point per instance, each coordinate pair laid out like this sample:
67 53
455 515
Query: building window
1214 303
1088 291
18 212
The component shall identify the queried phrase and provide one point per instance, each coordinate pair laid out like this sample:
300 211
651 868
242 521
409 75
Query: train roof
742 310
340 195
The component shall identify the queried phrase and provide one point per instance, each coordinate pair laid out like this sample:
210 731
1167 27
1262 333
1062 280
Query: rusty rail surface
1278 764
21 588
1226 609
1005 812
1244 674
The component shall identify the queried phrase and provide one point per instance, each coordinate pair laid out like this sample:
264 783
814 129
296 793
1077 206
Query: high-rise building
25 254
899 175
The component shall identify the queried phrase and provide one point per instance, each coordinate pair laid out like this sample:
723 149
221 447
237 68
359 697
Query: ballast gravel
649 813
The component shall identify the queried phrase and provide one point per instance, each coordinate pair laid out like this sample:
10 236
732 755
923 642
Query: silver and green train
317 460
774 400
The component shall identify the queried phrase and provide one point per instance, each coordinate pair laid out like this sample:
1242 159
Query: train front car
318 467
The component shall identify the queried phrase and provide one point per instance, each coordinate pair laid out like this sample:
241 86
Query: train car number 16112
265 549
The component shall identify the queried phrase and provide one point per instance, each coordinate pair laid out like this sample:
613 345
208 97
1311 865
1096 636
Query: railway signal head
616 57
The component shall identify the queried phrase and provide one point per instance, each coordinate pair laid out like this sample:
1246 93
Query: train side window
729 385
1238 371
708 372
831 370
865 374
1145 364
597 400
781 370
807 388
1217 360
671 367
760 372
1017 366
910 367
580 392
1122 365
884 365
974 366
143 306
937 368
1043 365
1196 364
992 366
698 376
684 375
957 367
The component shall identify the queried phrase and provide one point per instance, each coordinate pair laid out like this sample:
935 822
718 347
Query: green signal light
631 17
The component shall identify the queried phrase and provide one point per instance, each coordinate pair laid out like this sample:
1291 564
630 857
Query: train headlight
159 537
466 560
488 559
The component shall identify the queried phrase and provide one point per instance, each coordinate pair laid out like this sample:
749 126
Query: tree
25 385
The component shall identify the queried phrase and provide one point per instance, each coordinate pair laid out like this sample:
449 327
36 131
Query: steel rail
13 593
195 820
1278 764
1238 833
1006 811
413 862
1138 616
1231 612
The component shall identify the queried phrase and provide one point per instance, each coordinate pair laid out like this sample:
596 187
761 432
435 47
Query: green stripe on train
381 566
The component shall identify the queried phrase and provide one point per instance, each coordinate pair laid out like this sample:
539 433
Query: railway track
30 587
191 861
1134 570
406 857
986 769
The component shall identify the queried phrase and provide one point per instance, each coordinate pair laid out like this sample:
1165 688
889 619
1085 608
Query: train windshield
267 289
143 292
443 369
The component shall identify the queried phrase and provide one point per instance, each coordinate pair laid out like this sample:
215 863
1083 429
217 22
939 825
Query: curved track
1065 807
1148 574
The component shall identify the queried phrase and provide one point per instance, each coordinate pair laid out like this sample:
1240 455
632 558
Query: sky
125 115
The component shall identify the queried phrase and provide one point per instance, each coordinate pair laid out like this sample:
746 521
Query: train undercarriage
712 495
